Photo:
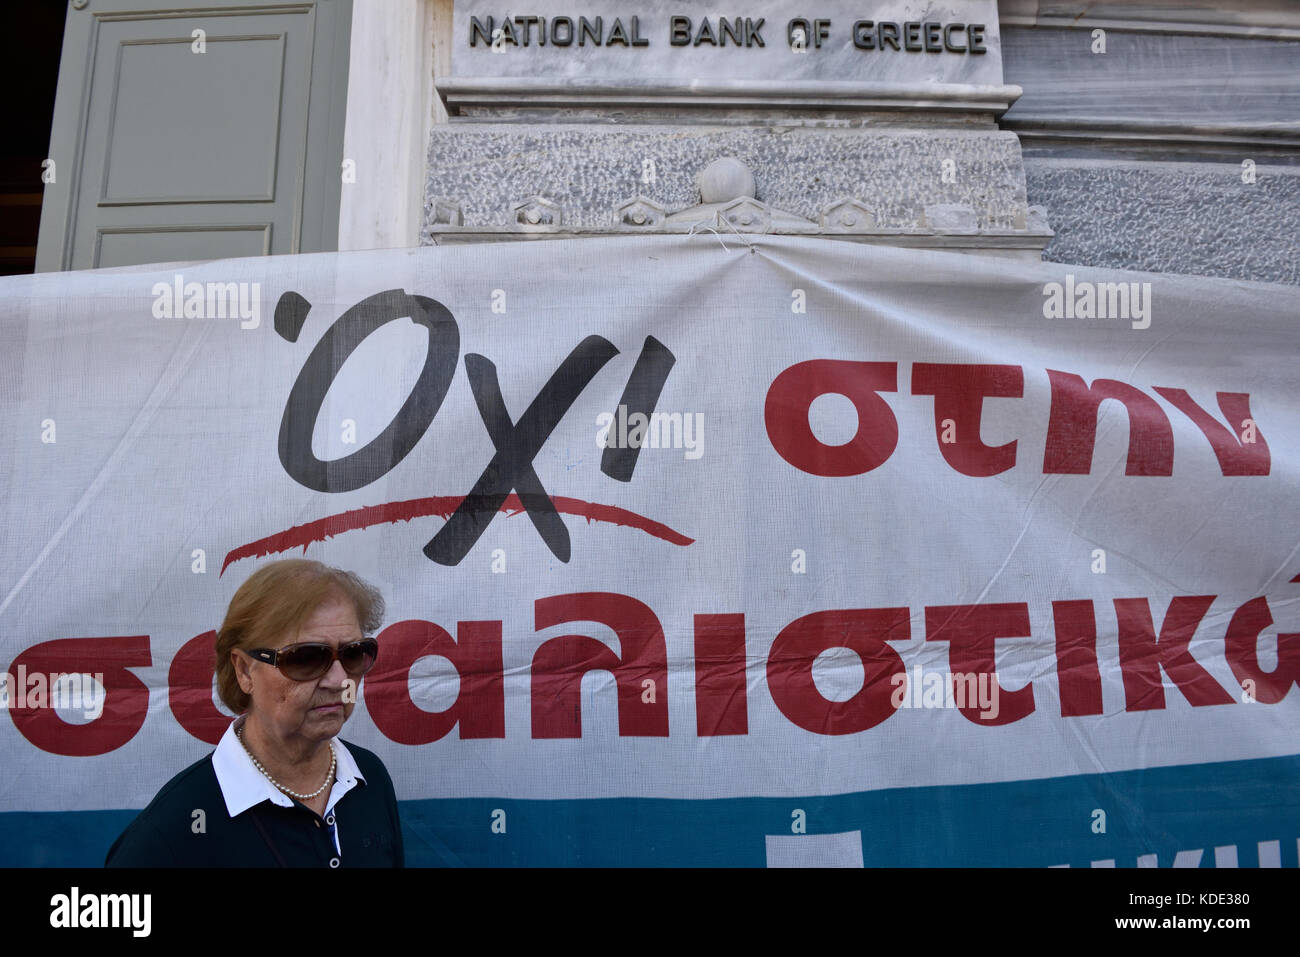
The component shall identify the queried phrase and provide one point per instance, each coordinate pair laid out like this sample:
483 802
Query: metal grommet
334 862
330 819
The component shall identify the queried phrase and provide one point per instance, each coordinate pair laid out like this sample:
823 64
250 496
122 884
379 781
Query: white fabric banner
659 518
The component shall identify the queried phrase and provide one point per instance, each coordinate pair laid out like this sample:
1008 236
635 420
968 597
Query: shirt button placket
334 861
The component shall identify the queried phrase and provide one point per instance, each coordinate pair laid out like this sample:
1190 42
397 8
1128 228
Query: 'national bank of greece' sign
758 49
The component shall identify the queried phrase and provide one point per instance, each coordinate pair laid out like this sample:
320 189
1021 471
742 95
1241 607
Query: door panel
238 78
178 153
130 247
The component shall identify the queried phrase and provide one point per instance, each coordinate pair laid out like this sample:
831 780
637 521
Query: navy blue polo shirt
247 822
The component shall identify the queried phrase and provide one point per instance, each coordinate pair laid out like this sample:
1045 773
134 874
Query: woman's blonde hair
275 601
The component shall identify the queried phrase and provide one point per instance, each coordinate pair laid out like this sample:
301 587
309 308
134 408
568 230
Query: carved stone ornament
746 216
446 212
640 213
537 212
848 216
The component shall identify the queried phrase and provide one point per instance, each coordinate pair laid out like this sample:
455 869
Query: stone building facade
1161 135
1155 137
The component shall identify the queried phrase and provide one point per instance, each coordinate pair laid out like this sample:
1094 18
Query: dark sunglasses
310 660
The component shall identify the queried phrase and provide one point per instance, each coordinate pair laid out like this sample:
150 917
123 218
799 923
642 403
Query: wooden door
186 133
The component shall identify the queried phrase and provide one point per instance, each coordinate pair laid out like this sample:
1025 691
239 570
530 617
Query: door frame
398 48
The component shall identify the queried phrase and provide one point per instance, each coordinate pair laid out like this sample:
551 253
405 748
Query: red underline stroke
300 536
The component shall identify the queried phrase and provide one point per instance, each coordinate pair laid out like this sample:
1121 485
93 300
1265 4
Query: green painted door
185 133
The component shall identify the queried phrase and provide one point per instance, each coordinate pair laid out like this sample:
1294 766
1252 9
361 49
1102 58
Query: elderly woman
281 789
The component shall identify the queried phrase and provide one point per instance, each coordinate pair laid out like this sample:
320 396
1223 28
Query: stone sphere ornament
725 179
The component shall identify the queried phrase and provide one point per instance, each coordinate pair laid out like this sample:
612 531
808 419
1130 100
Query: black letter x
517 444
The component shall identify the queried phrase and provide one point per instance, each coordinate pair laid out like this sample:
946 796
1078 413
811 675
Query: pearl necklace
329 776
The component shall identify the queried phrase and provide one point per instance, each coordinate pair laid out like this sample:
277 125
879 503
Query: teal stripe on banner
1249 807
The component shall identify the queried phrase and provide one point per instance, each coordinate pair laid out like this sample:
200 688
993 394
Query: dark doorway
30 46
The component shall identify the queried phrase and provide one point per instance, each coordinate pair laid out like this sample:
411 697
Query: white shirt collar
243 785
